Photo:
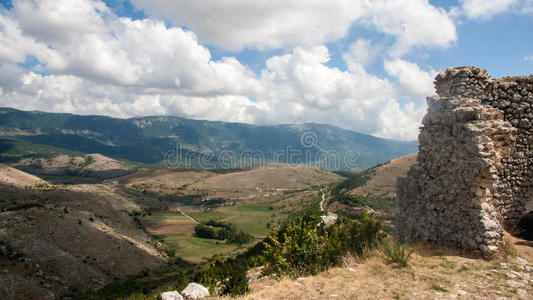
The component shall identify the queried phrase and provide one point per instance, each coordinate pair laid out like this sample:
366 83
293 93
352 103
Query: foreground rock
472 177
195 291
173 295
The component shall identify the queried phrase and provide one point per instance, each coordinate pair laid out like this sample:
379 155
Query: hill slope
383 181
373 188
12 176
434 273
64 239
201 143
89 166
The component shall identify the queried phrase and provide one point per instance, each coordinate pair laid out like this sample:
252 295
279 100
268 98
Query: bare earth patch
168 229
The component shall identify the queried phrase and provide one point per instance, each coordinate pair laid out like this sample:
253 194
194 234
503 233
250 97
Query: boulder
195 291
329 219
173 295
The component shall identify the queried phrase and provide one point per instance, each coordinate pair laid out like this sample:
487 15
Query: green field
252 219
195 249
181 240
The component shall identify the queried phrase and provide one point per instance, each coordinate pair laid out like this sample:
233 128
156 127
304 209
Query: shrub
214 223
222 231
240 237
204 231
228 275
304 247
23 206
396 253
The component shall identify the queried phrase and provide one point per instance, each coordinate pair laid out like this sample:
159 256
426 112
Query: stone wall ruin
473 175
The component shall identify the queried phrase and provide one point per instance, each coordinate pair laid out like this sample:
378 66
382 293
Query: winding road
188 216
323 199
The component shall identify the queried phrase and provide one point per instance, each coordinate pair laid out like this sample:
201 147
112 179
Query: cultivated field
175 230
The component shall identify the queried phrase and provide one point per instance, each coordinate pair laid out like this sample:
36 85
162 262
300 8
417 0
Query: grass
438 288
396 253
249 218
167 219
195 249
432 272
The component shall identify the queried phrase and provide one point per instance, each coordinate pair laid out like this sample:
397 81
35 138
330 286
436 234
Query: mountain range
185 142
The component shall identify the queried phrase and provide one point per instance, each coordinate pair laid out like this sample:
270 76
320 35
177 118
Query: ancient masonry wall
474 171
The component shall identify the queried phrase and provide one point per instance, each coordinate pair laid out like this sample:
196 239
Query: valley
63 239
91 226
79 240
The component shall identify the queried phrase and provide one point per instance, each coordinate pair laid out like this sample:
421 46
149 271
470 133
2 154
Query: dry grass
81 237
383 183
434 273
90 165
269 182
12 176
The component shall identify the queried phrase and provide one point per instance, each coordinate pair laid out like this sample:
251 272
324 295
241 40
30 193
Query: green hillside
201 143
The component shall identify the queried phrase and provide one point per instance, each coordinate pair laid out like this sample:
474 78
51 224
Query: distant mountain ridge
192 143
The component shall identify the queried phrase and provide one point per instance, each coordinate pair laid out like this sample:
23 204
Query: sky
362 65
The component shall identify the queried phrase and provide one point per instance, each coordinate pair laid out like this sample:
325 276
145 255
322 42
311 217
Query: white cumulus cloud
362 51
486 9
266 24
262 23
302 88
122 67
413 81
413 22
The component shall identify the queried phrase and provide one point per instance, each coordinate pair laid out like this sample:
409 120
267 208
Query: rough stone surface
474 168
329 219
173 295
195 291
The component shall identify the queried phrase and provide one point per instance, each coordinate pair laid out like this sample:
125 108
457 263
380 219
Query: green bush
305 247
229 275
240 237
222 231
206 232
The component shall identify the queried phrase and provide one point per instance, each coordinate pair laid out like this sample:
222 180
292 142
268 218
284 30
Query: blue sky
361 65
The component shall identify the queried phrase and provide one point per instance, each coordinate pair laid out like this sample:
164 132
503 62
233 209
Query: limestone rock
329 219
173 295
195 291
521 261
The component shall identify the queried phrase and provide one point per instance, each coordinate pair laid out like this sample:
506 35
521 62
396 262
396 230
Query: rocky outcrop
473 173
